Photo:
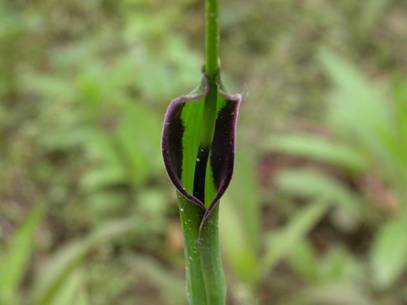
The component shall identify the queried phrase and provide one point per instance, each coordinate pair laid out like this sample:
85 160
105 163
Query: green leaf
280 243
241 257
70 292
136 141
372 11
330 294
111 171
313 147
58 270
338 265
240 221
14 262
400 116
389 251
359 111
303 259
122 159
314 185
171 288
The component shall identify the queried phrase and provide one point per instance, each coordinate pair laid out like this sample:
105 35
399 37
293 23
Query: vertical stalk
190 219
211 67
212 37
204 271
211 261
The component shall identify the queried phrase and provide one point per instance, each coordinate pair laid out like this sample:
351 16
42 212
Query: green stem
211 261
203 262
204 271
212 38
211 68
190 219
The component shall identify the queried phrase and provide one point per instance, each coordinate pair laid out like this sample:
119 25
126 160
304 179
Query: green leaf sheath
211 261
190 219
203 263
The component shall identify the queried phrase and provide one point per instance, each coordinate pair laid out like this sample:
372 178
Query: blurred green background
317 211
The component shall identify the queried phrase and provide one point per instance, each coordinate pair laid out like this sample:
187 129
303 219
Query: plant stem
212 38
203 263
190 219
211 67
211 261
204 271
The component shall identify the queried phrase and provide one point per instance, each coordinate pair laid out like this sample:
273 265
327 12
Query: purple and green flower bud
201 172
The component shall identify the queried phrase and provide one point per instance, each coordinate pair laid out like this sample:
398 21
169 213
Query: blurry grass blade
371 13
310 183
140 158
310 146
338 265
54 274
123 160
280 243
111 171
304 260
332 294
389 252
356 93
14 262
70 290
358 109
400 97
171 288
236 242
240 221
152 63
82 298
244 194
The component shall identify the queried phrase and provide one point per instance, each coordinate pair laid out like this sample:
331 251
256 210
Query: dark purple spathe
222 148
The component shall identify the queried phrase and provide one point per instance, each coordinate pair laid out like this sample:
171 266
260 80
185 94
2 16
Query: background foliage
317 211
